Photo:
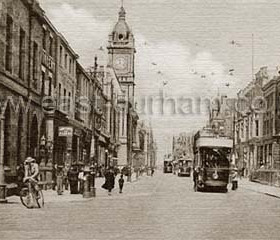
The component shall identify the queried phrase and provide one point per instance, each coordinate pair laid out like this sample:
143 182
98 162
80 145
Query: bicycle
28 196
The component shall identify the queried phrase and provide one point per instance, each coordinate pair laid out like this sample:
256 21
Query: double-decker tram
212 160
185 167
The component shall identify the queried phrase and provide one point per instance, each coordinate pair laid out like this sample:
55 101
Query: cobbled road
159 207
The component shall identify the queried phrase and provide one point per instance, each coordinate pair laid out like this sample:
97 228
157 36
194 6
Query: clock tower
121 57
121 50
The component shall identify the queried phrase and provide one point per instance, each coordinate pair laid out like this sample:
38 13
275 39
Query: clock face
120 63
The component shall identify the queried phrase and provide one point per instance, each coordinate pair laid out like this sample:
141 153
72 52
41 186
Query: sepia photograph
144 119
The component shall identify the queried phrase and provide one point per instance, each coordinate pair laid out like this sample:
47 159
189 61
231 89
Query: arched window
20 133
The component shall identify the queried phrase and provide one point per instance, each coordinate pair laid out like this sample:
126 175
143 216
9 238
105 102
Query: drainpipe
29 75
2 172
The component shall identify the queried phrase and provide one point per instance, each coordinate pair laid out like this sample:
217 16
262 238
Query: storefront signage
65 132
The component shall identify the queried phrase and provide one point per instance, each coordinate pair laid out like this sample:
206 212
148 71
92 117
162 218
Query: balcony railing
121 99
48 61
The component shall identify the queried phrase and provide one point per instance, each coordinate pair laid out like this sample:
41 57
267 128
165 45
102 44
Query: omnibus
212 160
185 166
167 166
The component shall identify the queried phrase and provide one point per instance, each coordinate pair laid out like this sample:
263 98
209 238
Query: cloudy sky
185 49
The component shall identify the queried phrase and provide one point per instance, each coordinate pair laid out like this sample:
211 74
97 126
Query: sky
185 50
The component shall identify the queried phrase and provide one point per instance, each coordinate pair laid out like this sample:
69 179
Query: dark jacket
195 175
109 181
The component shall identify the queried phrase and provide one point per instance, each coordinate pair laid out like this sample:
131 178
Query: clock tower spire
121 51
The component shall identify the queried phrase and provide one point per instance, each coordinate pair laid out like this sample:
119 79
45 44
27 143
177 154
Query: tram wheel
224 190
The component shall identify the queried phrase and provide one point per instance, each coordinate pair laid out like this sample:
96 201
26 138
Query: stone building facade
53 109
22 66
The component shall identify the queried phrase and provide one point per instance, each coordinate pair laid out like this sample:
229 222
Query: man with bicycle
32 174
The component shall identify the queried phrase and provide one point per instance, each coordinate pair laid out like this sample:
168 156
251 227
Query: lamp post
43 151
106 158
49 149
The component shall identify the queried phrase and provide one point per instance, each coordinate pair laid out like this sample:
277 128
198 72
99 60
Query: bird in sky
165 83
233 42
231 71
153 63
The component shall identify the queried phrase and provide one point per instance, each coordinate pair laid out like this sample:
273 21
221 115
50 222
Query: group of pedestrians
109 184
65 177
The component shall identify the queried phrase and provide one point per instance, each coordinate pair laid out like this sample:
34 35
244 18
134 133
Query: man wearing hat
32 173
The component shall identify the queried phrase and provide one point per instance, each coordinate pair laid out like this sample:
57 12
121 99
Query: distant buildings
252 120
182 146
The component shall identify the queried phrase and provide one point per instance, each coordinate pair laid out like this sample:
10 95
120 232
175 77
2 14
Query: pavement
260 188
51 196
163 207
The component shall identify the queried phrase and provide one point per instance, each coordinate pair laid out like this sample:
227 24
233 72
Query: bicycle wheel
40 199
26 198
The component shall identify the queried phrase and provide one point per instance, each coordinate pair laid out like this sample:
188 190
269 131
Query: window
50 86
123 118
64 100
9 44
70 65
271 126
59 93
35 63
44 39
257 128
270 154
51 46
69 101
60 55
242 130
21 53
43 81
265 154
261 156
65 60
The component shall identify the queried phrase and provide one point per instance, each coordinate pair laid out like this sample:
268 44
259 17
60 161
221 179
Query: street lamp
49 149
106 158
43 151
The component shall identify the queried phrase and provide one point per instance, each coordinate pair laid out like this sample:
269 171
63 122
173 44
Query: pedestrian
65 177
121 183
54 169
20 174
195 178
153 171
234 180
59 180
243 172
81 180
109 181
73 180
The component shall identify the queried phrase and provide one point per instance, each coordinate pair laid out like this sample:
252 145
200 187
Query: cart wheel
26 198
40 199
